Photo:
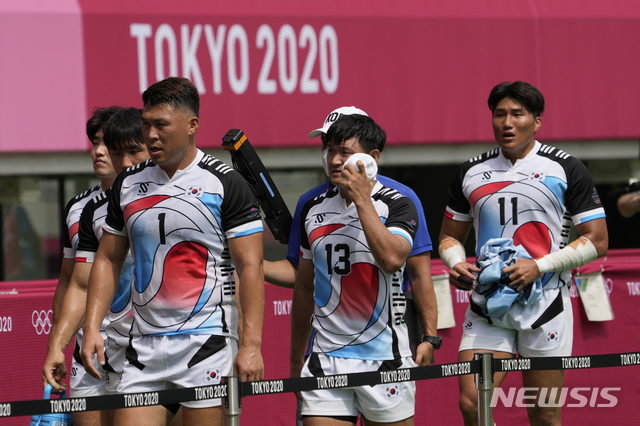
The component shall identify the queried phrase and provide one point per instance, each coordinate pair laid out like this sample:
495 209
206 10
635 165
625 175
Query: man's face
128 157
337 154
169 136
102 166
514 128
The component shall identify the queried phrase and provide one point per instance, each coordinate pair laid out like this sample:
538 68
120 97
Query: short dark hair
369 134
174 91
124 130
99 118
522 92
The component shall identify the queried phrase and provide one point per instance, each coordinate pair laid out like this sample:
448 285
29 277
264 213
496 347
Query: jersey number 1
163 239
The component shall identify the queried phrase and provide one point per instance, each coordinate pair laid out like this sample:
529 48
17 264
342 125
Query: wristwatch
436 341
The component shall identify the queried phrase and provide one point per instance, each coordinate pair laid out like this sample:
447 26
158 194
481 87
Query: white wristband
452 252
578 253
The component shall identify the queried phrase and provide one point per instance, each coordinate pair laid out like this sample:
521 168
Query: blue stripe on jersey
214 204
402 233
250 231
592 217
202 300
374 349
557 186
123 293
212 325
322 287
377 310
201 330
144 251
322 284
490 228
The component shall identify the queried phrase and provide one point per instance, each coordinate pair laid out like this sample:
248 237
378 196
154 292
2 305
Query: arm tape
452 252
578 253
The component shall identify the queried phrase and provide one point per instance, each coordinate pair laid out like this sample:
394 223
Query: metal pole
484 386
232 402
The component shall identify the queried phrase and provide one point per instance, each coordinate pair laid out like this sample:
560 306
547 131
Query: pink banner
422 69
25 322
42 86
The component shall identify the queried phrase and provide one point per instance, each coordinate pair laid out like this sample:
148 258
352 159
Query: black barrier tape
568 362
173 396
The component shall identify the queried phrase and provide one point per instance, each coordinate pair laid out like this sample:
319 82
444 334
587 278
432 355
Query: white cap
333 116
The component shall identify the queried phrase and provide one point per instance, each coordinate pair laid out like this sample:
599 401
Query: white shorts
178 361
83 384
114 357
542 329
385 403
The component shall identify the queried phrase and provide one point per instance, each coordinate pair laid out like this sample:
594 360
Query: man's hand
521 273
461 276
249 364
356 185
54 370
294 372
92 343
424 354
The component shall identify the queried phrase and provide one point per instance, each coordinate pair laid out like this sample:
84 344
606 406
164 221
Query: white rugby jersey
72 212
178 230
534 201
359 309
118 320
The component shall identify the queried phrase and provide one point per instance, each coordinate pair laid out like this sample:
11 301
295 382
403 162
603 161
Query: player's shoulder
555 154
214 165
328 195
572 165
79 201
483 158
314 192
394 184
99 200
134 172
388 194
85 196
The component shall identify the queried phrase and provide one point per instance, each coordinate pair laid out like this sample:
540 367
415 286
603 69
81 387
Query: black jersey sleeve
66 239
581 195
457 201
115 215
402 212
240 205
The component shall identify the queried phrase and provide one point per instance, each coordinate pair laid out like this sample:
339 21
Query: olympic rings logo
41 321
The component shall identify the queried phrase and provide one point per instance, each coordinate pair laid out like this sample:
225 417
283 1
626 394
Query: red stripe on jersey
358 294
322 231
448 214
184 275
142 204
534 237
73 230
490 188
81 259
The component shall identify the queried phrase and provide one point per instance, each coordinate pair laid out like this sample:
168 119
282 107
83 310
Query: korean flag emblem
195 191
212 376
539 176
393 391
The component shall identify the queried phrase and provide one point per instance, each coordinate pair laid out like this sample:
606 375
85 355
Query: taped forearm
452 252
578 253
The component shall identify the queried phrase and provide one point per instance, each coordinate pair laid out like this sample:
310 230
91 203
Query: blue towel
492 292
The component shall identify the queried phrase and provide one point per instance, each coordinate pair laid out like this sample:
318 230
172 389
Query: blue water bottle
61 419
